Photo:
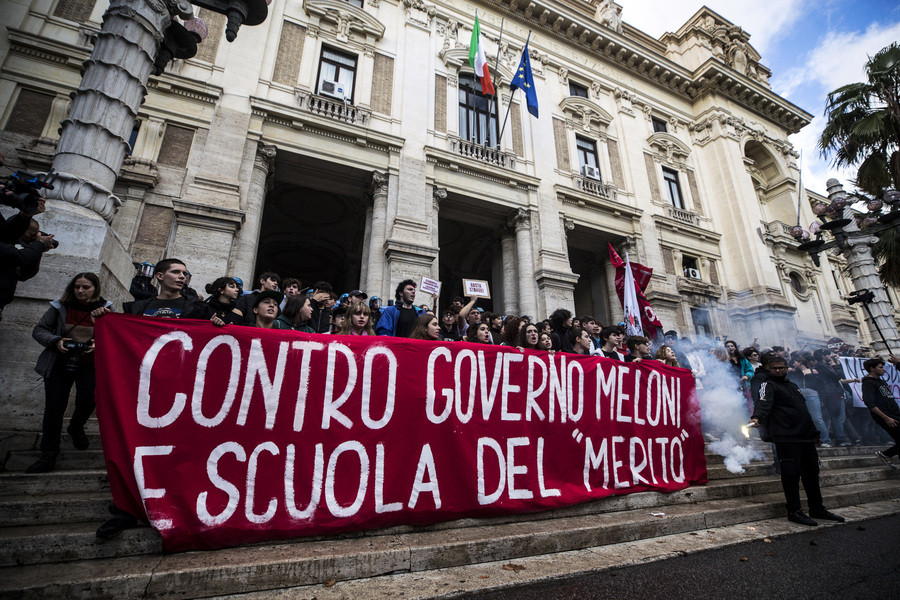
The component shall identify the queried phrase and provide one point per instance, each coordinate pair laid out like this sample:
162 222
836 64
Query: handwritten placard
477 287
430 286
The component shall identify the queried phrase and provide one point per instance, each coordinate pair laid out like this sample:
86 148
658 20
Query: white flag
630 301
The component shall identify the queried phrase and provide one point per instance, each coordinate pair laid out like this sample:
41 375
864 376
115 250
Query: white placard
477 287
430 286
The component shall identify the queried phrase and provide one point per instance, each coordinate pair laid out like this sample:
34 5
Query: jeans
814 406
833 413
57 387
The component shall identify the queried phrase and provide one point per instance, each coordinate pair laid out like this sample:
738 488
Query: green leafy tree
863 131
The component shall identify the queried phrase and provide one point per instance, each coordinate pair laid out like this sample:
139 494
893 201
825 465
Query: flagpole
474 123
509 106
800 188
496 80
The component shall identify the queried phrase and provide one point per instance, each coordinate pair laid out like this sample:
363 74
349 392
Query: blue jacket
387 324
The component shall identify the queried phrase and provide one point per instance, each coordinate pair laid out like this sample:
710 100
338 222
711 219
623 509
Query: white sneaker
885 459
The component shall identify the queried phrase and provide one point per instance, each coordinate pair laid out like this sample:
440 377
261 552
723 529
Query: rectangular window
587 152
673 188
356 3
659 126
133 137
576 89
689 267
701 321
337 72
30 113
477 112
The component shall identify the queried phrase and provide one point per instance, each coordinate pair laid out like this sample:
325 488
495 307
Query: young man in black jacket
881 403
780 412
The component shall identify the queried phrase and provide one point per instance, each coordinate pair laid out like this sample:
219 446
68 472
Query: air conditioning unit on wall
591 172
333 89
692 273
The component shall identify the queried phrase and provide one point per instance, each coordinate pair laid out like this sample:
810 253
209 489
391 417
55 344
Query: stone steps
547 570
24 518
67 459
301 562
48 547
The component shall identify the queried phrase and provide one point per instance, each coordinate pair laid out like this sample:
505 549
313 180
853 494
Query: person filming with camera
67 333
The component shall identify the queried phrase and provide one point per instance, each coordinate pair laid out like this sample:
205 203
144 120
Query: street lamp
853 236
875 222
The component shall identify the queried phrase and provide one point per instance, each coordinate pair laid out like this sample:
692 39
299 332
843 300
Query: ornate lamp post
138 37
854 240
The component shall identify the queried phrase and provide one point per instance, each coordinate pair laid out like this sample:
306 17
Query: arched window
477 112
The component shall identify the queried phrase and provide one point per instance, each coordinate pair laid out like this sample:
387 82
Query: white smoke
736 455
724 410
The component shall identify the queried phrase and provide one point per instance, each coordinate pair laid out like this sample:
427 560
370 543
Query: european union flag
524 80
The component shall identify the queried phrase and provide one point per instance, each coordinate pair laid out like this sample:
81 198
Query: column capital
265 156
379 183
519 219
437 195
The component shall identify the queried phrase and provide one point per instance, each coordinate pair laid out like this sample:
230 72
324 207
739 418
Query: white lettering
143 399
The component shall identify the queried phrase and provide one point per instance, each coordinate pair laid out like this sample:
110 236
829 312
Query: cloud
838 59
764 21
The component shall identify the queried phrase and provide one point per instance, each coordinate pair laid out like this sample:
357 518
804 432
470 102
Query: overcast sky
812 48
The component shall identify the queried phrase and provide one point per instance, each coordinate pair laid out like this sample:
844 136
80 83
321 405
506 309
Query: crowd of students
66 332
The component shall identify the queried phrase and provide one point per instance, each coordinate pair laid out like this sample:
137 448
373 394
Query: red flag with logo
642 274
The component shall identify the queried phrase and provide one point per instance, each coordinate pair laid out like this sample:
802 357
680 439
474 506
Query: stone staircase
48 548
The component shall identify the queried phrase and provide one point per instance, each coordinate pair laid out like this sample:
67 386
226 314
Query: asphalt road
859 561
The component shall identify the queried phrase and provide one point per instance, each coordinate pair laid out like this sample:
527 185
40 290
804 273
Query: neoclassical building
349 141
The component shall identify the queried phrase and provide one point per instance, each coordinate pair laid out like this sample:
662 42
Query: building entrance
314 221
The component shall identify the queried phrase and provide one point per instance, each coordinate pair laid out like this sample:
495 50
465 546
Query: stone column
364 260
94 138
510 273
437 195
375 270
864 275
616 312
521 222
260 183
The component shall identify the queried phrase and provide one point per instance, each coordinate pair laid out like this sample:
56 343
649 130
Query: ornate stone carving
379 183
419 13
609 14
437 195
519 219
624 100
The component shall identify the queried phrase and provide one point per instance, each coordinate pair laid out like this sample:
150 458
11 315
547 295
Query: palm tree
863 130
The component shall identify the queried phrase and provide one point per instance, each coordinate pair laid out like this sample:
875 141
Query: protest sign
853 369
225 436
476 287
430 286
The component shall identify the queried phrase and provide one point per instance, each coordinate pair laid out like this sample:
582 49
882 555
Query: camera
76 352
53 243
25 189
861 296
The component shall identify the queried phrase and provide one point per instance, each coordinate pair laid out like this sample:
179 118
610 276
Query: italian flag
478 60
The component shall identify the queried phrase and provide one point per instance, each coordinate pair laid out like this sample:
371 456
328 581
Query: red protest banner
224 436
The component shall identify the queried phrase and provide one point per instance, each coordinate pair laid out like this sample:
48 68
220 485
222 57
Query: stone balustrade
483 153
595 187
688 217
336 109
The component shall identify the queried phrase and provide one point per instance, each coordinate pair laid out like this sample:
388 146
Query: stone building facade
348 141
